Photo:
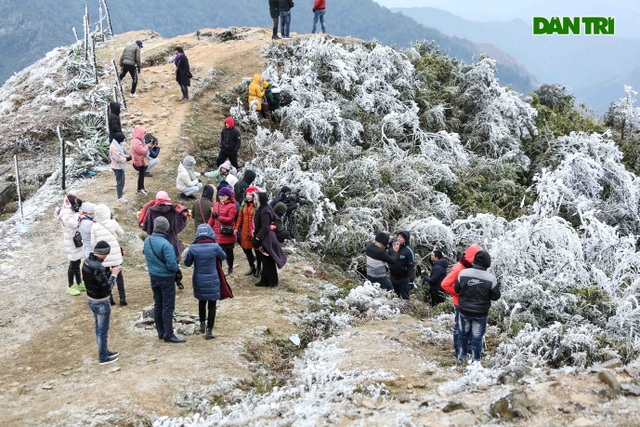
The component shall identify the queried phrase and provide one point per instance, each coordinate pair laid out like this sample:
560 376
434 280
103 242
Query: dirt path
48 369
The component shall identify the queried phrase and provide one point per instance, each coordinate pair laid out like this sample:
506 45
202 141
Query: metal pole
115 69
63 157
15 160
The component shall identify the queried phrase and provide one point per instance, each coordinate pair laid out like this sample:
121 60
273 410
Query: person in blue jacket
162 264
203 254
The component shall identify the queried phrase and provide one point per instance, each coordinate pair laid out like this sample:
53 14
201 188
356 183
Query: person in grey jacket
130 63
378 260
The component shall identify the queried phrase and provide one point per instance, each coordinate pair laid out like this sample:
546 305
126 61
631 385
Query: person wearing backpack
222 221
318 14
108 230
230 140
67 214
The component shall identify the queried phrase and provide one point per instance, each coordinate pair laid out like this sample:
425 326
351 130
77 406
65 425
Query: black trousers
131 69
141 170
74 272
228 249
252 257
185 91
269 276
202 306
223 155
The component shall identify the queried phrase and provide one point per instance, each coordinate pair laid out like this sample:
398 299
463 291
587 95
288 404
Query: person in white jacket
67 214
86 224
108 229
187 181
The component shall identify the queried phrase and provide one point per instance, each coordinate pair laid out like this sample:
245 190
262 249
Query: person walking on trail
99 283
438 273
222 221
183 73
378 261
108 230
230 140
318 14
476 288
448 284
403 271
119 158
139 152
256 92
163 266
115 124
130 63
225 172
187 181
284 11
68 215
265 240
201 210
204 254
243 230
273 11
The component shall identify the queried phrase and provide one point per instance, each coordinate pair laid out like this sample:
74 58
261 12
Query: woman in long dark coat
183 73
265 240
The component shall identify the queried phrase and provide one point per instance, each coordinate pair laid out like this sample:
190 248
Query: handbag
225 229
77 240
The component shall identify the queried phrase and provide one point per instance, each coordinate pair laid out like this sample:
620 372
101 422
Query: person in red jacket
449 282
139 152
318 14
222 220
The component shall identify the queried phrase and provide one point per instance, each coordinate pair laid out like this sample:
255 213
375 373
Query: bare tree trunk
106 8
118 84
63 171
93 59
87 30
101 16
15 160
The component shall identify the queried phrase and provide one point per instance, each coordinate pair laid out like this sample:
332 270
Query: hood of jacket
407 237
256 78
470 253
249 176
280 208
161 207
189 162
207 192
115 108
103 213
205 230
138 132
442 262
88 207
229 120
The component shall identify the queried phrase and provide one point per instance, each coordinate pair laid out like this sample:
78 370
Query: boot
209 335
111 300
202 327
257 273
230 271
123 302
251 271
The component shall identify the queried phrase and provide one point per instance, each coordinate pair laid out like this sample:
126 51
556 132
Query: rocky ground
48 364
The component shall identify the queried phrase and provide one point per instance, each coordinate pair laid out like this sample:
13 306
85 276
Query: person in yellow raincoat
255 94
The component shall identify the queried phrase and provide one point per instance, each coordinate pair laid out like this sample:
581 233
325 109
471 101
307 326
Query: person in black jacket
230 141
438 272
476 288
115 124
273 11
284 9
241 186
183 73
99 284
378 260
403 270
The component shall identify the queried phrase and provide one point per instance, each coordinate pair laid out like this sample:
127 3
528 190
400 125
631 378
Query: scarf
192 174
177 58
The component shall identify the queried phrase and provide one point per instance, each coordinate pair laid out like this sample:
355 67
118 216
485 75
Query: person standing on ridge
403 271
222 221
245 233
318 14
183 73
284 9
438 273
108 230
129 61
378 261
201 210
230 140
273 11
67 214
119 158
139 152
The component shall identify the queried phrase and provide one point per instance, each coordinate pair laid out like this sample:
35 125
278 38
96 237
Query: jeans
385 282
101 315
474 327
318 14
192 190
285 23
131 69
119 173
456 329
401 286
153 162
164 301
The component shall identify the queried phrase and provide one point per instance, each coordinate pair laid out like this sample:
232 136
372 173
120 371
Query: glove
129 158
214 215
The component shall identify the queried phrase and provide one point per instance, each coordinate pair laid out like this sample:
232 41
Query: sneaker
108 360
123 200
72 290
148 175
142 192
145 191
80 287
114 353
133 95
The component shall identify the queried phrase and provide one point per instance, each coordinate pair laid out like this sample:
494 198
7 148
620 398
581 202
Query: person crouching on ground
187 181
99 284
476 288
378 260
203 254
163 266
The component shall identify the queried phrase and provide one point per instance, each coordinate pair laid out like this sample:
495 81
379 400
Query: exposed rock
630 389
513 374
47 387
144 323
368 404
423 404
188 329
453 406
583 422
403 398
609 378
513 405
611 364
116 369
632 371
147 313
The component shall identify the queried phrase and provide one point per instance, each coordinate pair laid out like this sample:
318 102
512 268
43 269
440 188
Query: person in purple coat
265 240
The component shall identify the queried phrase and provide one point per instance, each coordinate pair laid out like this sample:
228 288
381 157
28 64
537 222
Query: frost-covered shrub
371 302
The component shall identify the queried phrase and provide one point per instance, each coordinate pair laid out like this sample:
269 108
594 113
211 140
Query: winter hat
189 162
118 136
265 85
251 189
163 196
102 248
207 192
161 224
226 165
225 191
482 259
248 176
285 189
383 238
139 43
280 209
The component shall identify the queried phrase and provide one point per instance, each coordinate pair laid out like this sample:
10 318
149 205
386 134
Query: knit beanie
383 238
482 259
225 191
161 224
285 189
102 248
226 165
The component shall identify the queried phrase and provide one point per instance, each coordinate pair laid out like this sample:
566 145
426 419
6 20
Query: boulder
513 405
453 405
609 378
512 374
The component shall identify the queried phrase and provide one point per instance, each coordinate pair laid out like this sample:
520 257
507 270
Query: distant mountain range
30 29
593 68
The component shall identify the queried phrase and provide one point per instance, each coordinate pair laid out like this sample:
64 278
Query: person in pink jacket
119 158
139 151
449 282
